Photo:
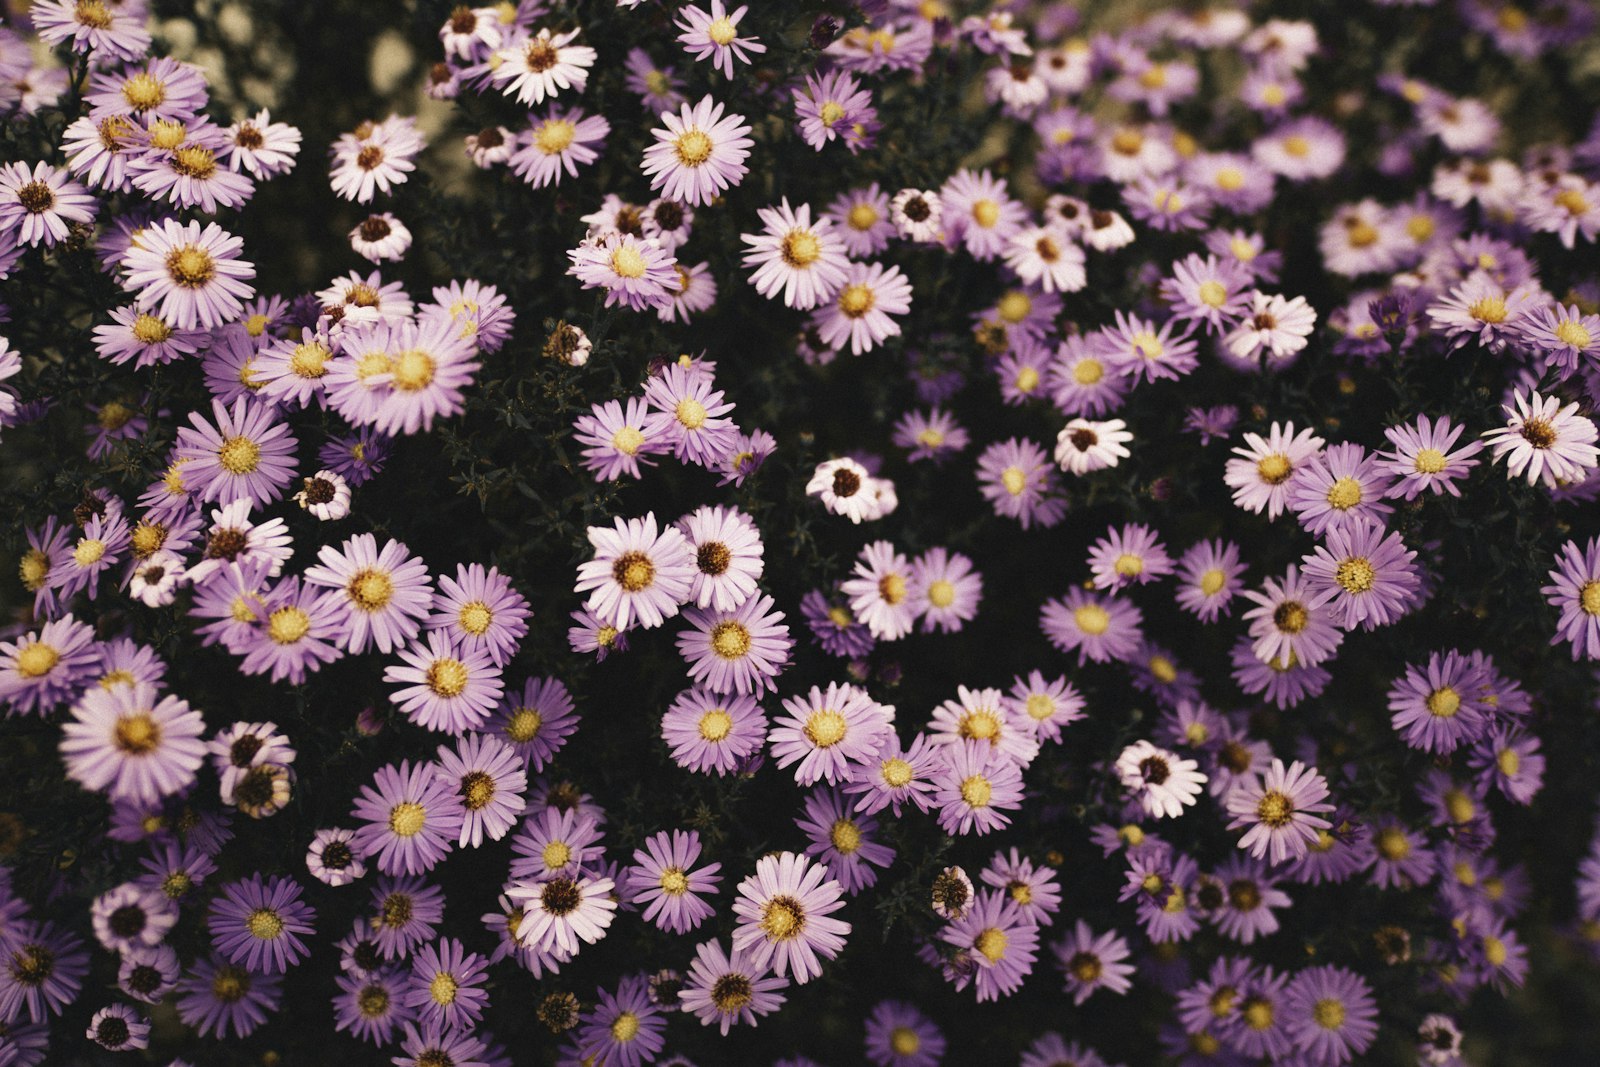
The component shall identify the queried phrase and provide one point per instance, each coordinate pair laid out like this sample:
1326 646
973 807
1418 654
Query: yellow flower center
1344 493
941 593
1589 598
856 300
862 217
730 640
826 727
1129 565
1361 234
892 587
625 1028
523 725
980 724
407 818
674 882
1494 950
800 248
1027 379
1275 809
715 724
137 734
992 943
1014 480
447 677
627 440
1572 200
1508 762
90 551
1444 702
288 625
830 113
1163 669
1274 469
1212 581
475 618
1355 575
976 791
554 136
1429 461
264 923
190 267
845 836
1490 309
693 148
370 590
721 32
309 360
986 213
1092 619
239 455
1297 146
904 1041
896 772
783 918
1572 332
556 855
626 262
690 413
412 370
443 988
1040 706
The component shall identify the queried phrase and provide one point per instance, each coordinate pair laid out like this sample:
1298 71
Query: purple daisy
408 818
634 272
1277 811
41 671
728 554
301 629
118 1028
1341 485
36 205
690 414
1090 963
216 997
42 968
617 438
130 745
698 154
194 276
563 910
640 573
445 688
898 1035
1423 460
1366 574
1331 1014
709 733
1286 627
1020 482
727 989
1574 590
785 911
132 917
257 924
624 1029
480 609
880 591
247 453
842 840
446 985
1208 579
742 651
1439 708
538 722
490 778
665 880
1099 627
975 783
893 776
827 729
384 592
370 1005
996 945
835 628
405 912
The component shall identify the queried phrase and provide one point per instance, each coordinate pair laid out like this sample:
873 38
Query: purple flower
825 730
1440 708
699 154
785 916
1090 963
409 821
1574 589
405 912
385 592
489 778
450 690
1340 486
42 968
640 573
446 985
996 945
665 880
1422 459
1365 574
370 1005
842 840
130 745
538 722
119 1028
300 634
898 1035
1331 1013
1019 480
257 924
1208 579
194 276
1099 627
742 650
1277 811
216 997
41 671
624 1029
247 453
975 786
36 205
725 989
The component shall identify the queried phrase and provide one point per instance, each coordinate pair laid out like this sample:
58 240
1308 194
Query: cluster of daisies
1468 267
